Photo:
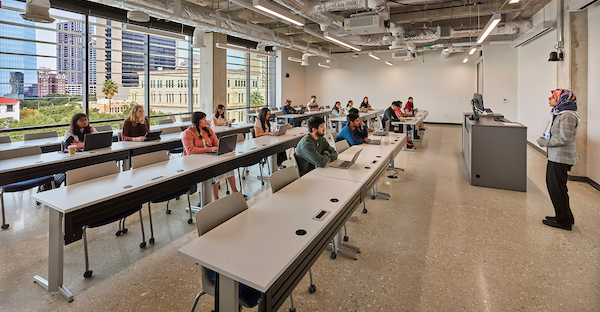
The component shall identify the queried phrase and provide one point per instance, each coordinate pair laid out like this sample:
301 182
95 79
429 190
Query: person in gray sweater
313 150
559 139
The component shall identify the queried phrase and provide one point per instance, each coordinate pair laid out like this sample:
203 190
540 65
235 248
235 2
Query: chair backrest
251 111
91 172
240 138
283 177
148 159
253 132
186 119
170 130
334 135
40 135
20 152
341 146
5 139
165 121
327 106
380 117
103 128
278 113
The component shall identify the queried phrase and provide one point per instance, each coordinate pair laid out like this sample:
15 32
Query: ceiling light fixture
389 63
340 41
295 59
241 49
472 50
278 12
152 31
492 23
466 59
138 16
324 65
374 56
198 38
513 1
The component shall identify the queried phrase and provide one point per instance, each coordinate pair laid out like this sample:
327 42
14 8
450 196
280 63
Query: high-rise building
51 83
16 41
69 51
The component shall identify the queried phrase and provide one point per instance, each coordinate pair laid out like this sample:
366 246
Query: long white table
81 204
363 116
413 121
259 247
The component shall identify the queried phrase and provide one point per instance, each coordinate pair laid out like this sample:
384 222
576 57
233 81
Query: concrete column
213 74
578 73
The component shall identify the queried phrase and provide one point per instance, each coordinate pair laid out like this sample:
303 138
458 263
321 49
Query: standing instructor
559 139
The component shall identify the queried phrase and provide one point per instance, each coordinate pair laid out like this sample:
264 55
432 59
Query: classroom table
77 206
363 116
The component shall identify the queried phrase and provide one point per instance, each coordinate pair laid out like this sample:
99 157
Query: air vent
364 25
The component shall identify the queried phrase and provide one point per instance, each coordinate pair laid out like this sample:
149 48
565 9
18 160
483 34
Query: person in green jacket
313 150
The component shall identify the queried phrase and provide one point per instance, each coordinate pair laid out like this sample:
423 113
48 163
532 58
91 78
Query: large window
247 76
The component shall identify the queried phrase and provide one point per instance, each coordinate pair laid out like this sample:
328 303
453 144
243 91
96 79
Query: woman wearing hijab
559 139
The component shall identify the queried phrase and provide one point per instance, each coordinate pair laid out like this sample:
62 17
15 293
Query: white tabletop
238 248
362 115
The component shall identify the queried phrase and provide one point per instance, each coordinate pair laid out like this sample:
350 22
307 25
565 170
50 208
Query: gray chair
170 130
153 158
334 135
96 171
186 119
103 128
208 218
341 146
5 139
165 121
40 135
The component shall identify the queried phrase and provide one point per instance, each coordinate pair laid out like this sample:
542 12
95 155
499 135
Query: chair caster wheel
143 245
333 255
373 197
168 211
124 231
190 221
243 178
345 238
88 274
293 310
365 210
227 192
38 203
151 240
262 182
312 288
5 226
119 232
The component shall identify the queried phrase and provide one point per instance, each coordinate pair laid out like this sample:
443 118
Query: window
9 108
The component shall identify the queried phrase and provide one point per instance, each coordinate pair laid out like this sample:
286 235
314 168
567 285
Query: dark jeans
556 181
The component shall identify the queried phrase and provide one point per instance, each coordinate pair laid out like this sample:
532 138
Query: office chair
40 135
96 171
153 158
262 162
178 150
334 135
24 185
103 128
186 119
5 139
341 146
165 121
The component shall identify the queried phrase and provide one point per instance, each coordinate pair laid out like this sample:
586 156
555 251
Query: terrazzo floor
439 244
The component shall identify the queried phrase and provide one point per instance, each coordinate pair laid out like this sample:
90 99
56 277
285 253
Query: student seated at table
312 105
349 106
408 110
199 138
79 128
262 126
288 110
219 118
352 133
337 110
365 106
313 150
390 114
136 125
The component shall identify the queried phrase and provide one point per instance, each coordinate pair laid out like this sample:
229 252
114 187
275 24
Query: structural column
213 74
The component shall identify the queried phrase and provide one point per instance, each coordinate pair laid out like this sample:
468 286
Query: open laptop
282 129
153 135
302 110
374 141
344 164
226 144
92 141
386 130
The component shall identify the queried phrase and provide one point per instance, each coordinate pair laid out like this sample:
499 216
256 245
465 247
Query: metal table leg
54 284
227 294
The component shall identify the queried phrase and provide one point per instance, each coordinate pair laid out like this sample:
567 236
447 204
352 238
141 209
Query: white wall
444 87
292 88
500 72
536 77
594 93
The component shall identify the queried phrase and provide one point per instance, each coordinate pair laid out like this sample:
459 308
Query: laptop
226 144
282 129
153 135
374 141
385 132
302 110
344 164
92 141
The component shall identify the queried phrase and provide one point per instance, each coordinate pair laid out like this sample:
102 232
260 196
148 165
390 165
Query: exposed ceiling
417 24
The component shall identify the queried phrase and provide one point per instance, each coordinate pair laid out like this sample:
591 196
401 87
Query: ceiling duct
534 33
343 5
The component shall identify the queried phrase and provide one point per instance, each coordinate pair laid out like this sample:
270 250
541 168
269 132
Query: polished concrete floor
439 244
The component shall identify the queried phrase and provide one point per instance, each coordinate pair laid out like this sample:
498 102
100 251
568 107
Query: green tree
256 99
109 89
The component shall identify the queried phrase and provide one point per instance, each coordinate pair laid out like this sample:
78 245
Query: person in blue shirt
349 132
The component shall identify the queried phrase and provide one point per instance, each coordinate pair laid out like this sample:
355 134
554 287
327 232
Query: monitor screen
478 101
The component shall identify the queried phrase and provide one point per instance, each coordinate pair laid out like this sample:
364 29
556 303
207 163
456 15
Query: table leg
339 243
228 297
54 283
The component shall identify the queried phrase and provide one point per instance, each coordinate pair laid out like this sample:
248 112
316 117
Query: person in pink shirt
199 139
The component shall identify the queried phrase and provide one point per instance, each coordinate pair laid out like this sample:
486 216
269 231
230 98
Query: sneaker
409 144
